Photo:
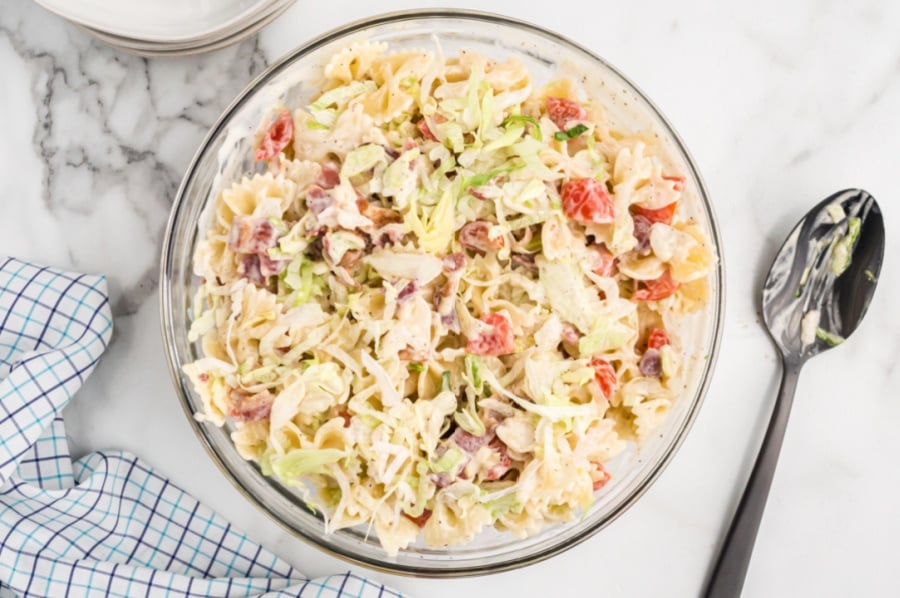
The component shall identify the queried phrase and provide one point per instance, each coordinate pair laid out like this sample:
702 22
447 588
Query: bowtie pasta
448 302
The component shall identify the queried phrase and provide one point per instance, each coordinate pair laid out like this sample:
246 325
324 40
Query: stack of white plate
169 27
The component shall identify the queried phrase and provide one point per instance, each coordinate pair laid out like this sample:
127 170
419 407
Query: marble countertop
780 107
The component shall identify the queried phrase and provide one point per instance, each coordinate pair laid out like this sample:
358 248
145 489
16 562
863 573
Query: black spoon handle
731 567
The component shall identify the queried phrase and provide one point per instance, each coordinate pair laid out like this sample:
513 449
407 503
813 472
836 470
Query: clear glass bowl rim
168 319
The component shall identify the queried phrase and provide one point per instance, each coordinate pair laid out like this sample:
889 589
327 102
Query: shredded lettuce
298 462
362 159
516 119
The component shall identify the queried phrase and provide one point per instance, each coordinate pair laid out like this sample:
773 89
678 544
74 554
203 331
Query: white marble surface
780 107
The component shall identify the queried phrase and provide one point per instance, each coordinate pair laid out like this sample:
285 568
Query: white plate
161 21
235 35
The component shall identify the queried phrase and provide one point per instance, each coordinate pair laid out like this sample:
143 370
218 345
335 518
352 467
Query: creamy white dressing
808 326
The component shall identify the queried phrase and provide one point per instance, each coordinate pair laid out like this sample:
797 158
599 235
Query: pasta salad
449 300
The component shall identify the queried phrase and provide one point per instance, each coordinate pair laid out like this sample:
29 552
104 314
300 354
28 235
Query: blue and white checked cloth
106 525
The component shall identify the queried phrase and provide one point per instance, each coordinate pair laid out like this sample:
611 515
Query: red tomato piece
422 125
277 137
658 338
600 476
677 182
587 200
605 376
654 290
562 112
498 340
606 262
663 214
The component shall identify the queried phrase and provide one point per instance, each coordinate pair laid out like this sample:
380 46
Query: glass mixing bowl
226 154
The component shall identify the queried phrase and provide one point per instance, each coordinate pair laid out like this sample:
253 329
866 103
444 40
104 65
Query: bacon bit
350 259
277 137
249 268
663 214
524 260
562 112
250 408
606 262
499 470
390 152
269 267
477 193
408 291
378 215
440 480
654 290
474 235
330 176
425 130
586 200
204 377
453 262
605 375
658 339
600 476
317 199
450 321
642 234
570 334
422 519
346 417
251 235
469 443
498 340
651 363
677 182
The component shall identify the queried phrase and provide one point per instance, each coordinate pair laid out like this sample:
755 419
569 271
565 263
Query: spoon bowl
802 278
817 292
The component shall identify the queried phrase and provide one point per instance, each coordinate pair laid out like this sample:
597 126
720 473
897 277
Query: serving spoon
816 293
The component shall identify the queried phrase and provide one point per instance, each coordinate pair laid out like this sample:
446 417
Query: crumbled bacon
317 199
499 470
411 288
422 519
250 408
251 234
453 262
475 235
249 268
329 177
269 267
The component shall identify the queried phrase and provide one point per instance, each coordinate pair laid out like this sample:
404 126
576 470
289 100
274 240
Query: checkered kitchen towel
106 525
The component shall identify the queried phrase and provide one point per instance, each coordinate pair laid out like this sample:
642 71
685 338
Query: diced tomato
654 290
600 476
498 340
605 376
422 125
587 200
562 112
475 235
677 182
642 234
277 137
663 214
499 470
606 262
658 338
